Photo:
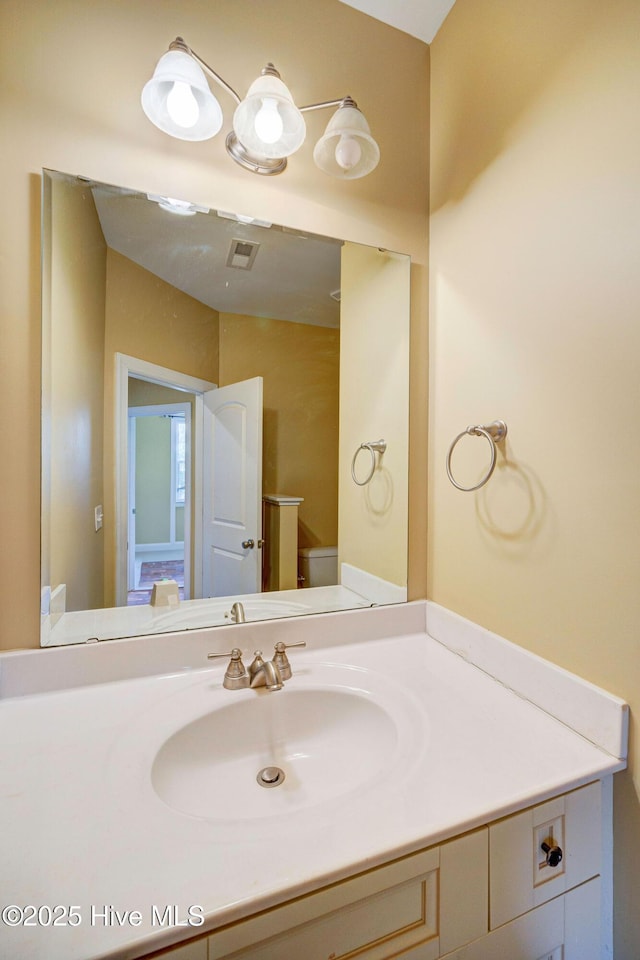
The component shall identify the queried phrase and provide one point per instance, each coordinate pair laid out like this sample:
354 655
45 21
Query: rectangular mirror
211 385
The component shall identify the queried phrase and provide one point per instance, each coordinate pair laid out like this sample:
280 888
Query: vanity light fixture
241 218
180 207
267 125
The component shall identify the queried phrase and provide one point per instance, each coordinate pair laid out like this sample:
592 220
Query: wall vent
336 295
242 253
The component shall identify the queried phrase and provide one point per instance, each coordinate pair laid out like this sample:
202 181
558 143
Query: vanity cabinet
389 910
521 876
490 893
194 950
566 928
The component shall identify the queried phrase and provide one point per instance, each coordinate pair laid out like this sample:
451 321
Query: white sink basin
329 742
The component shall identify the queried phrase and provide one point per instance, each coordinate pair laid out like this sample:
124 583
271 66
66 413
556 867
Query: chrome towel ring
494 433
373 446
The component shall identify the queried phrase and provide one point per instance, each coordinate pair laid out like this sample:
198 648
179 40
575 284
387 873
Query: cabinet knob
553 852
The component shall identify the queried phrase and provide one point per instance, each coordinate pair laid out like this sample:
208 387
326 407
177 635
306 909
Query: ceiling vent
242 253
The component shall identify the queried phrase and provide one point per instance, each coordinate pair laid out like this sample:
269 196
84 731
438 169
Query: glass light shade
178 99
267 122
346 149
181 207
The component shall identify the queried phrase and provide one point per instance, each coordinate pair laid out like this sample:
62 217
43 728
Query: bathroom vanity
445 794
482 896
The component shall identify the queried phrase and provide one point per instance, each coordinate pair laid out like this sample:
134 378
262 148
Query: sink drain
270 777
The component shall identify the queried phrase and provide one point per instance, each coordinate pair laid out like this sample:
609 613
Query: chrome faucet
236 614
261 673
264 673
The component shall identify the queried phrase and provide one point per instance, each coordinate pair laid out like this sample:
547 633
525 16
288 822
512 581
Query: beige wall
154 321
300 366
143 393
75 295
535 199
151 320
374 400
70 94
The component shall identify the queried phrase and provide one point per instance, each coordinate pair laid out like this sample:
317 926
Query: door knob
553 852
248 544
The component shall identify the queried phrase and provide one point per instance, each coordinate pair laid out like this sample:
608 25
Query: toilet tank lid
281 499
313 552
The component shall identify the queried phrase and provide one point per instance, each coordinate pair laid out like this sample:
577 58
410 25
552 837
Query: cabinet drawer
520 877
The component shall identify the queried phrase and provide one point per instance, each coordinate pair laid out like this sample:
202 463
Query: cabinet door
567 928
420 907
376 928
538 935
582 926
195 950
521 877
375 915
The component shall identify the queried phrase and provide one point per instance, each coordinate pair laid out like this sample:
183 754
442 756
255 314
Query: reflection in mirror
207 379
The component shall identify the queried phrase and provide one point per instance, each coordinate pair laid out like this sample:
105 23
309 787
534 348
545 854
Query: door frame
126 366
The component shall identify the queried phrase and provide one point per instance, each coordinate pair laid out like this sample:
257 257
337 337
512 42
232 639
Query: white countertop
83 826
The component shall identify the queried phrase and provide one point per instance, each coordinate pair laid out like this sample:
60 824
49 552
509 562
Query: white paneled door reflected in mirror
207 378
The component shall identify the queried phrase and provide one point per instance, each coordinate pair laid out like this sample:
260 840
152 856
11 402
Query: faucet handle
235 654
236 676
281 660
256 663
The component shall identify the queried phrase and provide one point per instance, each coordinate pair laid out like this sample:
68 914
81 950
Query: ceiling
420 18
292 276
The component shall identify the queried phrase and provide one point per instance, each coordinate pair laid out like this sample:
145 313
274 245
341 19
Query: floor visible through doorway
151 571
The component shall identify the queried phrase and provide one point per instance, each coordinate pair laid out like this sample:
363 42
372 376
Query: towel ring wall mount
373 446
493 433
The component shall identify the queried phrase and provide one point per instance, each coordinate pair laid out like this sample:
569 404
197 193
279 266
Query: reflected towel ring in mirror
373 446
494 433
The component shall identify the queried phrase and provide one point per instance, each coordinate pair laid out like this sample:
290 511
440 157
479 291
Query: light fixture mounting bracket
262 165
